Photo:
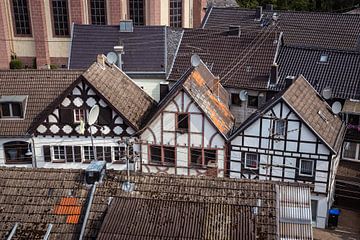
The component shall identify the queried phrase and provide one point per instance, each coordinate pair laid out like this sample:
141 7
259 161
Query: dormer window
324 58
12 106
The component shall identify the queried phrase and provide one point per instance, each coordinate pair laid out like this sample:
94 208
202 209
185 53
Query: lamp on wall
28 152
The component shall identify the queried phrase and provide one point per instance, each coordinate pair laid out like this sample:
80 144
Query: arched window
17 152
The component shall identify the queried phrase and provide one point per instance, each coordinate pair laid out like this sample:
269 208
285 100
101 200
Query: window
11 110
88 154
60 17
59 153
235 99
353 119
252 101
251 160
136 9
79 114
163 154
324 58
17 152
306 168
98 12
197 157
182 122
21 17
351 151
176 13
120 153
210 157
280 127
314 205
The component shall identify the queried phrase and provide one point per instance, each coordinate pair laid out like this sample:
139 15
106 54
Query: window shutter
77 153
66 115
69 154
107 154
105 116
47 153
99 153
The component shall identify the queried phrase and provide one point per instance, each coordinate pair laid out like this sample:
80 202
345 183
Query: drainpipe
87 211
34 163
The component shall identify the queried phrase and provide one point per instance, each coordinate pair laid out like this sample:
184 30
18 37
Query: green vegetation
15 63
304 5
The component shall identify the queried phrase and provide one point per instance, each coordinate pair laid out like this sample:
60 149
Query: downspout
87 211
34 163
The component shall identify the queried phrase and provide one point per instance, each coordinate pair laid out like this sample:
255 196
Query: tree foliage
304 5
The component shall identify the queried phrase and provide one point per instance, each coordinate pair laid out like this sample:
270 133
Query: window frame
53 19
75 114
105 11
357 152
53 154
19 147
312 170
182 130
120 153
88 149
276 121
203 162
144 13
162 154
182 14
14 20
257 161
11 110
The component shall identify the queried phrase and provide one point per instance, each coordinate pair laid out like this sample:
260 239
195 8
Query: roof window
324 58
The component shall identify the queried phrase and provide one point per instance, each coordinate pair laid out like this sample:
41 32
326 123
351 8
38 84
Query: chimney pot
258 13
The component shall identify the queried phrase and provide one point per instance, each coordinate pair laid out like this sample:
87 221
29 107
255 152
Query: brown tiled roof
250 55
41 87
121 92
315 112
327 30
35 198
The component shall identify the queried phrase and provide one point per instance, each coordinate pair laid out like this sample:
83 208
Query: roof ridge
318 48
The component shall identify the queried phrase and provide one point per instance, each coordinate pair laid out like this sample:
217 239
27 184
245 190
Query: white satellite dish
93 115
112 57
195 60
243 95
336 107
326 93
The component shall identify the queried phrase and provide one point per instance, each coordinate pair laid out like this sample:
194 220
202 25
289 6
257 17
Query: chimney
274 74
164 89
119 49
269 7
101 59
289 80
126 26
234 31
258 13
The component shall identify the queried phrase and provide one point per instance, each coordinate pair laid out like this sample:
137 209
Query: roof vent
289 80
274 74
234 30
324 58
126 26
258 13
95 171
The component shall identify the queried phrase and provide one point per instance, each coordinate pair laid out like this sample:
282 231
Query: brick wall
77 11
114 7
40 32
198 12
4 35
154 11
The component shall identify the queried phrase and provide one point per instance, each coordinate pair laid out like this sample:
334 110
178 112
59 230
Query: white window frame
78 110
56 157
312 170
11 109
257 161
122 158
85 159
357 150
278 121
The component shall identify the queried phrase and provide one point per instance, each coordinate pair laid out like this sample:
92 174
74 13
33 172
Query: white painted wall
150 86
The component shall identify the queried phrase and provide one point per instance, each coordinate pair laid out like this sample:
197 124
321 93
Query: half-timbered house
294 137
187 134
48 108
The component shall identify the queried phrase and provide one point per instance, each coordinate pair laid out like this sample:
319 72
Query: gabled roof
121 92
308 105
240 61
327 30
146 48
341 71
207 93
222 3
41 88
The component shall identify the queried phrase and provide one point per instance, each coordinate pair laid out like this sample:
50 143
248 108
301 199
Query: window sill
162 164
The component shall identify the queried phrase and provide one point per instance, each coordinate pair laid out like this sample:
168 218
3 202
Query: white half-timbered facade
293 138
187 135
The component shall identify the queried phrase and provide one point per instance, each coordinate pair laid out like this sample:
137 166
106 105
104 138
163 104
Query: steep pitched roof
120 91
340 72
34 198
303 99
145 48
41 88
240 61
327 30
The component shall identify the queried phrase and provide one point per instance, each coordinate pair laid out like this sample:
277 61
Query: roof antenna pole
47 234
13 230
82 233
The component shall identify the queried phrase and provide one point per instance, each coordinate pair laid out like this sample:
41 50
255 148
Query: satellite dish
112 57
195 60
93 115
336 107
243 95
326 93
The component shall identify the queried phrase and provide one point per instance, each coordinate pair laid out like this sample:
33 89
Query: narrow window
176 13
155 153
11 109
98 12
253 101
183 122
280 127
88 154
314 204
306 168
169 155
136 9
251 160
79 114
59 153
235 99
210 157
60 17
196 156
21 17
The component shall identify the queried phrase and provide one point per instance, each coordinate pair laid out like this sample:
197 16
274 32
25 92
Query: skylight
324 58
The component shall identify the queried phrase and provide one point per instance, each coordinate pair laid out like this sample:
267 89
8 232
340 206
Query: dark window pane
251 160
16 109
155 152
60 17
306 167
136 9
15 152
176 13
183 122
5 109
210 157
21 17
169 154
196 156
98 12
235 99
252 101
